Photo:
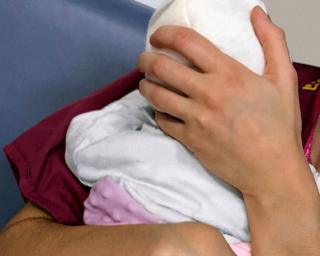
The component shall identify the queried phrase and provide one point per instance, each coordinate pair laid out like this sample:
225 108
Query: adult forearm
41 236
44 237
288 221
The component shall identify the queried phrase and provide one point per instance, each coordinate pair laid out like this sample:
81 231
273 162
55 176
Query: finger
273 41
170 72
196 48
165 100
170 126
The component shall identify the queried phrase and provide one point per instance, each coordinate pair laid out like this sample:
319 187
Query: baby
138 173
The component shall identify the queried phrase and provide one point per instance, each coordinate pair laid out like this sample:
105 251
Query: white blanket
122 141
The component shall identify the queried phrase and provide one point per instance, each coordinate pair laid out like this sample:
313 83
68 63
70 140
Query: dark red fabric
309 99
37 156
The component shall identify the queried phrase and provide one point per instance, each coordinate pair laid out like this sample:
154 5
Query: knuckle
200 86
142 84
209 100
279 32
158 65
202 120
182 36
155 98
229 76
158 33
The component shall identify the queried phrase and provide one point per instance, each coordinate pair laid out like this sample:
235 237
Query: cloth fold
37 156
123 142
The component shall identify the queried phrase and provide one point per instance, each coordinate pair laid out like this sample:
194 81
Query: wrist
284 228
293 188
287 177
285 219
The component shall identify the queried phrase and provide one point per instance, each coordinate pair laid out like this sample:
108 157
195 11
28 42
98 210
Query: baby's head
226 23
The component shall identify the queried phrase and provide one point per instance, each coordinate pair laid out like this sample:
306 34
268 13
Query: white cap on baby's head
226 23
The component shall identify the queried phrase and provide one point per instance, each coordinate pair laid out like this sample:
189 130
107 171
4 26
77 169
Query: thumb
273 41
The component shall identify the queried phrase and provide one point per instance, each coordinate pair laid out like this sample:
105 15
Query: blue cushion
54 52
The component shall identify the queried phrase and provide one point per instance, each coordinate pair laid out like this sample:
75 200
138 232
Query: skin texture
244 128
215 117
33 232
283 214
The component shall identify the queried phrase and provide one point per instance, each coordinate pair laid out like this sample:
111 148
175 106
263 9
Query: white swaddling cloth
122 141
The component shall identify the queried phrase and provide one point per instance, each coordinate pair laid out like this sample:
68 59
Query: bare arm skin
288 221
277 222
284 221
33 232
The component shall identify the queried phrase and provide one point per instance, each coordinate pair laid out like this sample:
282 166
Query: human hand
243 127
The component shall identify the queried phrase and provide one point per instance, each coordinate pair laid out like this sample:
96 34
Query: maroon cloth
309 99
37 156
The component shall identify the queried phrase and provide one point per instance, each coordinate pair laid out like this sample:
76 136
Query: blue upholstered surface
53 52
